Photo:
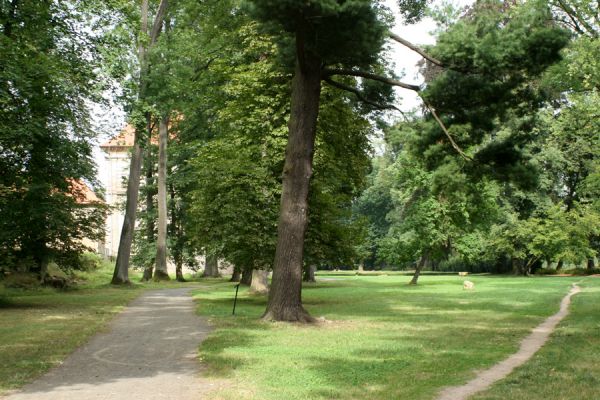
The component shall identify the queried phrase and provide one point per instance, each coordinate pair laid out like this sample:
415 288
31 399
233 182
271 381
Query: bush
21 280
90 261
546 271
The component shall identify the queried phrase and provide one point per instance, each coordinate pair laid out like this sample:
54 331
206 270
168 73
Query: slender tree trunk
121 273
179 270
236 275
260 281
211 267
149 167
418 269
246 276
590 264
285 296
559 265
160 272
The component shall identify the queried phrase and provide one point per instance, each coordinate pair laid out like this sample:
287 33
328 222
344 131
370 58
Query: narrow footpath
529 346
147 352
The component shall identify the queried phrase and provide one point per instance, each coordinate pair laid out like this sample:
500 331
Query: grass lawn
388 340
39 328
568 366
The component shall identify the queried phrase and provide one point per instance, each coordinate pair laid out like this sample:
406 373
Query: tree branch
158 21
415 48
575 16
446 132
360 95
327 72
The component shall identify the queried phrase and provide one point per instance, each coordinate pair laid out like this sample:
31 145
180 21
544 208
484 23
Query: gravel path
529 346
148 352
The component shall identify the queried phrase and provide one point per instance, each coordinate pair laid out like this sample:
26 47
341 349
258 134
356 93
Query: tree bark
418 269
591 264
309 273
211 267
149 167
559 265
285 297
121 272
260 281
246 276
160 272
236 275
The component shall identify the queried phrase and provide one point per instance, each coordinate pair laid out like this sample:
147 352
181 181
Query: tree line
262 113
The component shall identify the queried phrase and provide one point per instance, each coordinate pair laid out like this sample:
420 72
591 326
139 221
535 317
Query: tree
323 33
45 134
141 118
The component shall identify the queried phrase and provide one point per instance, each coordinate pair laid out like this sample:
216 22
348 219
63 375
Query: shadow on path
147 352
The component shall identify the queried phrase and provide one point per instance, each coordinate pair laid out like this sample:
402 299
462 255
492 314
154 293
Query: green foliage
350 32
488 95
47 74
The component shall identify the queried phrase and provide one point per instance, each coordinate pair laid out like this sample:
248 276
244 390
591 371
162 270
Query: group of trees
520 188
252 124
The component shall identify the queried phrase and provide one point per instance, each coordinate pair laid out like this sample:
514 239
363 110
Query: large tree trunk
309 273
285 297
418 269
149 167
160 272
121 273
211 267
559 265
590 264
260 281
246 278
236 275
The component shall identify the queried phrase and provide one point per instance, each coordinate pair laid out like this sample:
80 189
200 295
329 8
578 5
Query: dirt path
529 346
148 352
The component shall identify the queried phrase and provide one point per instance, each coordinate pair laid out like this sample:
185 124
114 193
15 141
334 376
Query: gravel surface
148 352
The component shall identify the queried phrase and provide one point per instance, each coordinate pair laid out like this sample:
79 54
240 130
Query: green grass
39 328
568 366
388 340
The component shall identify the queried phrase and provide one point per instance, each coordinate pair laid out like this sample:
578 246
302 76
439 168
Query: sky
406 59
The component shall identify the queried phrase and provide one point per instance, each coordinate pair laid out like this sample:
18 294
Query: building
114 172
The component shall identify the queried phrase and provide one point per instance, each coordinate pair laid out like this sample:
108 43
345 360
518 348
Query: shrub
90 261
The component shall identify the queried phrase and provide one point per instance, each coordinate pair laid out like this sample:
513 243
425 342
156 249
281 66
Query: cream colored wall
114 170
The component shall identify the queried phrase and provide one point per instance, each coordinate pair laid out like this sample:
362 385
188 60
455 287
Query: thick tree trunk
559 265
260 281
211 267
246 278
285 297
236 275
309 273
160 272
418 269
